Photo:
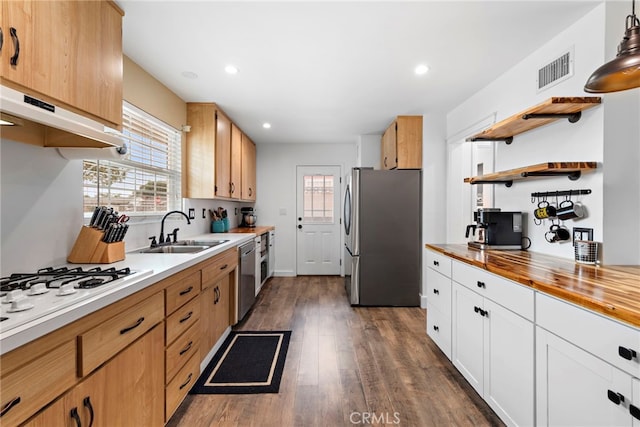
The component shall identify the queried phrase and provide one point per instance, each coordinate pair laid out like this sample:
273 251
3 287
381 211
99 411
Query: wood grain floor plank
344 364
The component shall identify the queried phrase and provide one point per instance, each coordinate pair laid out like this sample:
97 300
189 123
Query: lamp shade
623 72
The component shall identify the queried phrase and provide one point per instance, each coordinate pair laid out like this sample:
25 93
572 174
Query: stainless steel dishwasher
247 288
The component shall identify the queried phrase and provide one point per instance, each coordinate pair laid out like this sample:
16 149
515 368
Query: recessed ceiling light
421 69
189 75
266 125
231 69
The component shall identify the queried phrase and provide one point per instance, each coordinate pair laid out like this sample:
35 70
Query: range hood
58 127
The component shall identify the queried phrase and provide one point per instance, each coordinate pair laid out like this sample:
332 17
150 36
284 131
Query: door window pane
318 199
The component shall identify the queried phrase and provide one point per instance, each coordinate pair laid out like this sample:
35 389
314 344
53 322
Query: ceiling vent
556 71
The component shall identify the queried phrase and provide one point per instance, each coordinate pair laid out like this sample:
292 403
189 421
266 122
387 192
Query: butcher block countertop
611 290
258 229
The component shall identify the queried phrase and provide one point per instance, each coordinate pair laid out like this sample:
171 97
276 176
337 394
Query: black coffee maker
495 229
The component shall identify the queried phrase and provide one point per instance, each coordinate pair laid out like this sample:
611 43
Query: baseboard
284 273
423 301
215 349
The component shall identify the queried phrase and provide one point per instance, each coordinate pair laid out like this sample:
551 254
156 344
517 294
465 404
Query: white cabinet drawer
439 329
439 263
600 336
439 291
512 295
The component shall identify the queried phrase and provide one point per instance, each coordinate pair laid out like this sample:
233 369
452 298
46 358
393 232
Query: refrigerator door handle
347 211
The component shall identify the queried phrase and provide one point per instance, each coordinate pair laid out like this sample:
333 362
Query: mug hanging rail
559 193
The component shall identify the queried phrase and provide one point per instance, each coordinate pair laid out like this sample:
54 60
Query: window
146 180
318 199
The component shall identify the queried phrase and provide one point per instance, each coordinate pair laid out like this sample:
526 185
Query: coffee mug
569 210
557 234
544 211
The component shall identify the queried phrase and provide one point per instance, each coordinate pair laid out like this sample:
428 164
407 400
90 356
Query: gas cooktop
25 297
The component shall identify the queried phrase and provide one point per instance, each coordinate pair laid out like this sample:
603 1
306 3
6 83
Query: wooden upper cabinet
248 169
70 54
236 161
402 144
223 155
215 154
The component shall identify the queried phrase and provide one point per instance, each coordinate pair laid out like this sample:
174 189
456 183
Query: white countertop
152 268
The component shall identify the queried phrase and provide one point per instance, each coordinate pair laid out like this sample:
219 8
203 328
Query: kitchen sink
183 247
175 249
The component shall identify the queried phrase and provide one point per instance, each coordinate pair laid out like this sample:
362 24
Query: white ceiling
330 71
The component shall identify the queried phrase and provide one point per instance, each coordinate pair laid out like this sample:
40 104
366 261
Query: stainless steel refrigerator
383 233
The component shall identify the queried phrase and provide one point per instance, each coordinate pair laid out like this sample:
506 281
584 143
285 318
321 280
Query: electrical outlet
235 211
582 234
192 213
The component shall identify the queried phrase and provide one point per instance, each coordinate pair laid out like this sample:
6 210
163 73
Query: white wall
276 202
368 151
515 91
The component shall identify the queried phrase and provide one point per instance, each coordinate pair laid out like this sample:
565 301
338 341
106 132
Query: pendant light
623 72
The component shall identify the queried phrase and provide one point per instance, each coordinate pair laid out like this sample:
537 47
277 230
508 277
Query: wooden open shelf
549 111
573 170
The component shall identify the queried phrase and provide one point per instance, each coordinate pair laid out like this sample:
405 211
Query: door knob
300 226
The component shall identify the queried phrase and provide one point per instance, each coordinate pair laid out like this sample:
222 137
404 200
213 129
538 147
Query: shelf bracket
572 117
508 139
572 175
507 183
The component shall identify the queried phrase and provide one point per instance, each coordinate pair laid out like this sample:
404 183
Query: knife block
90 249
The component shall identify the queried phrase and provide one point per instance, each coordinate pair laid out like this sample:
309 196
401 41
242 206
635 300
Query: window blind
146 180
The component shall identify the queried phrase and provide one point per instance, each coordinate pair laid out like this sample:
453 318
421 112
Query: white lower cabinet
493 348
575 388
439 310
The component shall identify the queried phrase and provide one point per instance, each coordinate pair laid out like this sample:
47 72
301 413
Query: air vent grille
555 71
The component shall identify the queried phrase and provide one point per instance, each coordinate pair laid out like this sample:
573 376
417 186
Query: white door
318 220
575 388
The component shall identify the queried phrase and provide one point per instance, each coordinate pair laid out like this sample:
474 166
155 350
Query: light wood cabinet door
235 175
128 390
70 52
389 158
200 151
223 155
248 169
207 309
221 314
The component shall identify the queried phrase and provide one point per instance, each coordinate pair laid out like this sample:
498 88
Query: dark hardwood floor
345 366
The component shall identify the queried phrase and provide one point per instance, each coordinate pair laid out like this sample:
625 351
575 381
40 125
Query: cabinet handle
435 291
484 313
6 408
187 348
187 317
481 311
138 323
385 162
16 47
436 328
74 414
481 284
626 353
436 263
476 309
224 267
250 192
615 397
1 39
186 291
87 404
634 411
186 382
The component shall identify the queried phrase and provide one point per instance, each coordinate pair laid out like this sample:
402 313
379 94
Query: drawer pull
436 263
481 311
87 404
187 348
626 353
187 317
186 291
615 397
74 414
138 323
224 267
16 47
481 284
436 328
6 408
186 382
435 291
635 411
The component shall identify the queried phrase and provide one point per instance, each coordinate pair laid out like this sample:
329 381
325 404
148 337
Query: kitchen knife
108 235
100 216
96 211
